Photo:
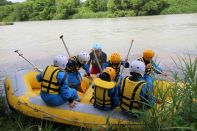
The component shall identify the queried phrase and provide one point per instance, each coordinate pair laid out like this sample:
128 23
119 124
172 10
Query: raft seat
32 83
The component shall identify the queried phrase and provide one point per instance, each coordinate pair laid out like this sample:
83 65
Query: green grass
180 112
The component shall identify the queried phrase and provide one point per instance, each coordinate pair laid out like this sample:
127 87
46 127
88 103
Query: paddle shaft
21 55
61 37
127 56
97 61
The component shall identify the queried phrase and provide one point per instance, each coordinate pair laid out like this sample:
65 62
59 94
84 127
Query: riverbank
6 23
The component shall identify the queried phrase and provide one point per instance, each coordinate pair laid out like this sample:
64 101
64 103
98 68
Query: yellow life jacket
116 67
130 94
76 65
101 93
49 82
148 69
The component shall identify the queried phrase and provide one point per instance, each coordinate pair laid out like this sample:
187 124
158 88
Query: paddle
83 86
61 37
21 55
97 61
126 59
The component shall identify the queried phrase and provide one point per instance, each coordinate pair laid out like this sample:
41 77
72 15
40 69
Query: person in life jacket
54 88
101 56
105 93
73 66
134 92
151 66
115 61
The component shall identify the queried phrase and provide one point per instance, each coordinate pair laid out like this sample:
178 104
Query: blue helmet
97 46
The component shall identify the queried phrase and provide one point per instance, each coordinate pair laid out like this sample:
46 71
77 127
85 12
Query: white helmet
60 61
137 67
83 56
97 46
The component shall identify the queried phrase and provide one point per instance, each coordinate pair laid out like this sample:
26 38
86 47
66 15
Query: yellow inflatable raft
22 91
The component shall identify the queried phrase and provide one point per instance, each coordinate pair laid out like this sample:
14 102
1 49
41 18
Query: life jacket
49 82
101 93
75 65
149 69
116 67
130 94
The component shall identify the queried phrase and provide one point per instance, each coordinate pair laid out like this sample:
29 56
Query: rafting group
61 81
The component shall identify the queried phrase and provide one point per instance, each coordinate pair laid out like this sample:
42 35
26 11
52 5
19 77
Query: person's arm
157 69
144 91
125 64
65 91
113 92
146 96
106 64
118 86
86 68
39 77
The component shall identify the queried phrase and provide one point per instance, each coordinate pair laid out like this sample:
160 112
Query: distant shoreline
6 23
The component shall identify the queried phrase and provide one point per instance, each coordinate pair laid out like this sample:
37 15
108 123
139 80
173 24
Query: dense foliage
65 9
4 2
68 9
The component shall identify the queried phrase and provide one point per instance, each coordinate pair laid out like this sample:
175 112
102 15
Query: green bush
180 111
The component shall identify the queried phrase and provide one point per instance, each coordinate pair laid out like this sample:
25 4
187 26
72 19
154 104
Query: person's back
105 92
73 66
134 93
54 88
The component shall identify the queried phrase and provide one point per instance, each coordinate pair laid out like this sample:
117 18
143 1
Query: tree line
66 9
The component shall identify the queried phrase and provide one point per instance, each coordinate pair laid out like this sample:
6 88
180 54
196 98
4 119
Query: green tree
148 7
5 11
5 2
111 5
97 5
65 8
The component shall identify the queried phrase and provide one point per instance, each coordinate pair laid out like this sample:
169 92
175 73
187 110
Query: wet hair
105 76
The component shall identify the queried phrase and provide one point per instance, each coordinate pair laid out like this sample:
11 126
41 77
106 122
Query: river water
170 36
